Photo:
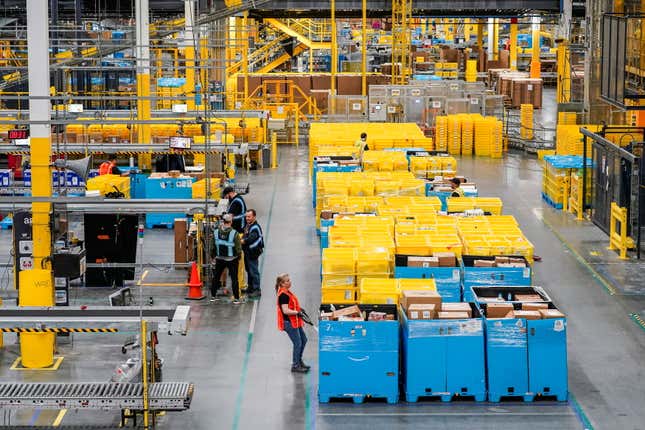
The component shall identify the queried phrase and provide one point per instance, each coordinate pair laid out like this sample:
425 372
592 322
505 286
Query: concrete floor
240 362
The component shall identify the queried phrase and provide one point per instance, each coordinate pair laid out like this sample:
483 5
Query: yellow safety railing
618 239
576 200
260 55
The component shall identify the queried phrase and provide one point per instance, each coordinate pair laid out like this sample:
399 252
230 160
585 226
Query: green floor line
249 341
638 320
610 289
580 413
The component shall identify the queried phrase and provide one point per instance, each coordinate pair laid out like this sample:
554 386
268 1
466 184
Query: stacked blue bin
359 359
138 185
324 232
447 279
443 358
166 188
525 358
492 276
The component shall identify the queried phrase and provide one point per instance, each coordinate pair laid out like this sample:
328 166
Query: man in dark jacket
253 246
236 207
227 250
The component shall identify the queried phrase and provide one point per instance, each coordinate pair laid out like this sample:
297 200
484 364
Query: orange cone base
194 284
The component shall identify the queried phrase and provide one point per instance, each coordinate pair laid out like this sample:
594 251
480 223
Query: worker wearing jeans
227 256
253 246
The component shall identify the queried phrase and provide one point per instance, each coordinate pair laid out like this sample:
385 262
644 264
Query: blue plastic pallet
550 202
443 358
359 359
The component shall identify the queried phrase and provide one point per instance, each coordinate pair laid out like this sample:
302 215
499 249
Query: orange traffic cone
194 284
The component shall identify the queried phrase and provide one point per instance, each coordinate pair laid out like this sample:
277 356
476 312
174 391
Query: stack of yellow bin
454 135
483 136
339 275
467 135
493 235
441 133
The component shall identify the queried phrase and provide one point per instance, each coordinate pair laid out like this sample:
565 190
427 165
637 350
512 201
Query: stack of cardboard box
427 305
438 259
354 313
501 261
529 311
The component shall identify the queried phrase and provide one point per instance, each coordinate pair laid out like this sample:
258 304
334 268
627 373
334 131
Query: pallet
445 397
358 398
496 398
550 202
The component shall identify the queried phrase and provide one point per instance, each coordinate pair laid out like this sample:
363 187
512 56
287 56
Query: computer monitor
180 142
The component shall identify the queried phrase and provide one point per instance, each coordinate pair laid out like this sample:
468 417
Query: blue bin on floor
167 188
492 276
447 279
547 348
359 359
443 358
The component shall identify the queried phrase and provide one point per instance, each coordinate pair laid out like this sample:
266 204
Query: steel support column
491 42
37 288
364 49
334 57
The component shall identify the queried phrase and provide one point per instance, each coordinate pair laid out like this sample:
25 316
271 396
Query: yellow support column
480 33
364 50
274 150
36 285
466 30
245 53
564 74
535 48
204 62
143 73
496 39
513 45
334 57
189 53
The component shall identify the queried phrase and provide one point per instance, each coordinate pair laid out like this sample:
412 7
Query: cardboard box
326 316
534 306
498 310
514 260
181 245
484 263
452 315
422 311
502 260
528 298
457 307
550 314
446 259
420 297
350 311
423 262
528 315
326 214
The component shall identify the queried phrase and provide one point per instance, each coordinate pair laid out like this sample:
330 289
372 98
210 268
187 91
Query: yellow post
513 45
466 30
535 48
143 72
144 373
189 53
245 53
274 150
364 50
334 58
230 165
205 61
496 39
480 33
36 285
297 116
564 74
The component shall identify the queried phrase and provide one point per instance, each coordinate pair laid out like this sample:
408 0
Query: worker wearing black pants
227 251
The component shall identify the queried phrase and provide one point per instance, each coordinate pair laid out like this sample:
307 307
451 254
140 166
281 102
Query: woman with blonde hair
290 321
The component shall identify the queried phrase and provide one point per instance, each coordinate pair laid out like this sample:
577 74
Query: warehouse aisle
240 363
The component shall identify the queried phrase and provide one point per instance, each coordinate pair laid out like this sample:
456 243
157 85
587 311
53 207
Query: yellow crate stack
493 235
338 275
441 133
454 135
569 140
526 121
487 204
497 142
384 161
467 135
483 135
555 183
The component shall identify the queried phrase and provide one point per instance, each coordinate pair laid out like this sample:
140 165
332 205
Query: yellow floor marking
18 366
59 418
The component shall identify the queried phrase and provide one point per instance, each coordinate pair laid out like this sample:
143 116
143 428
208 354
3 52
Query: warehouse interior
472 261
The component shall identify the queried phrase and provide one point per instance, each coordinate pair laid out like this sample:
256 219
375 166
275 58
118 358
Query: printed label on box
436 105
396 92
474 101
414 314
391 109
530 87
527 272
558 325
357 106
455 274
415 92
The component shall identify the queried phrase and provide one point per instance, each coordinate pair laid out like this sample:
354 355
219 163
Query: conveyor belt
163 396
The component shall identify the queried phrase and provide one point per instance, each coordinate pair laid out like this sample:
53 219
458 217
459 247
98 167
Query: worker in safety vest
290 321
227 250
457 191
236 207
361 145
109 167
